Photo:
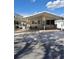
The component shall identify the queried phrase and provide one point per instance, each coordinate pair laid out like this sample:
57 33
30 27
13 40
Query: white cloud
55 4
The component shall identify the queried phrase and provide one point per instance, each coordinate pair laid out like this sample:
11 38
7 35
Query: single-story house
40 21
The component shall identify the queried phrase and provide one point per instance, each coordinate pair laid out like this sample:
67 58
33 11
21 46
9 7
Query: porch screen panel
47 22
52 22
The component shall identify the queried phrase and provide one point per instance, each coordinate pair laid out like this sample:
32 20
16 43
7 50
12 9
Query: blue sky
29 7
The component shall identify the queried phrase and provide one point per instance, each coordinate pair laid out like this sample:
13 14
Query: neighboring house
39 21
60 24
17 22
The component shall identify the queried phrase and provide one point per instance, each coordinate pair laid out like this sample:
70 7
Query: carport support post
44 23
28 25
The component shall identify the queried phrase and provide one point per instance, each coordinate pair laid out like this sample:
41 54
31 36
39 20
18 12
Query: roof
47 14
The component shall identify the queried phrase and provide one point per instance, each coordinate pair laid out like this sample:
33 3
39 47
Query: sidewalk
29 32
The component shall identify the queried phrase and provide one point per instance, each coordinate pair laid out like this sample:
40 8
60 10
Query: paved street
39 45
